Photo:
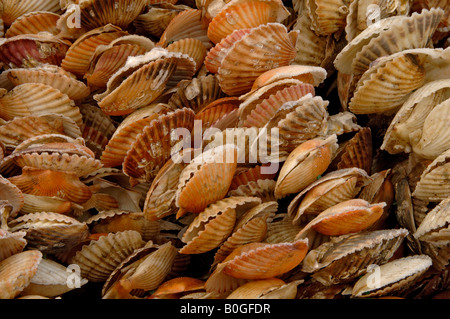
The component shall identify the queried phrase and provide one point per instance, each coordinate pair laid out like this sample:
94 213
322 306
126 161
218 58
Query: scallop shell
327 16
220 114
262 188
299 121
153 147
262 261
126 133
412 114
385 87
11 193
50 232
433 227
394 277
191 47
14 132
390 41
249 228
347 217
80 53
30 50
195 180
244 175
150 273
433 141
244 14
305 163
113 221
51 280
11 243
313 75
107 59
432 186
339 260
33 23
157 18
186 24
16 272
196 93
146 78
53 76
97 128
327 191
98 259
356 152
264 111
11 10
256 288
212 226
34 203
270 46
173 288
65 185
37 99
97 13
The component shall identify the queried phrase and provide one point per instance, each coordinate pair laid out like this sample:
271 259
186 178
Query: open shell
34 23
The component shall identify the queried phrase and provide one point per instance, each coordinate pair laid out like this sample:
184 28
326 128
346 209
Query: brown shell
338 260
50 232
98 259
212 226
97 13
153 147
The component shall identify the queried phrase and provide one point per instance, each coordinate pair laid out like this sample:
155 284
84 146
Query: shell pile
216 149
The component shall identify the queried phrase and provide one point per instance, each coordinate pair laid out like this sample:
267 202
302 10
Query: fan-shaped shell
34 23
206 178
50 232
11 243
16 272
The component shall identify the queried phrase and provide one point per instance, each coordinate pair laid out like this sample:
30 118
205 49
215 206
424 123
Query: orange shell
192 47
206 179
266 47
346 217
41 182
33 23
177 286
262 260
16 272
79 54
11 243
243 15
